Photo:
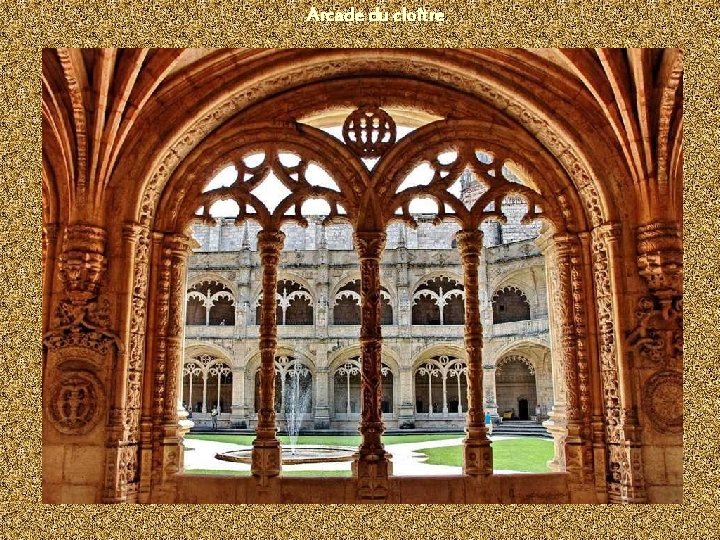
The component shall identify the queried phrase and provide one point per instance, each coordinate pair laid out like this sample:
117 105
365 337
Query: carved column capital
369 245
82 263
270 242
660 258
133 231
469 243
177 245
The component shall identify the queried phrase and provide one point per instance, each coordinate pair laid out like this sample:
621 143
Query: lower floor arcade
427 391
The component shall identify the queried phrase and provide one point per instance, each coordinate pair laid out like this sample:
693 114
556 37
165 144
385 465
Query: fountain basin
303 454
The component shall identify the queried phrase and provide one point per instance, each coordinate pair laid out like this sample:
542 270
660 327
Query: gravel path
406 460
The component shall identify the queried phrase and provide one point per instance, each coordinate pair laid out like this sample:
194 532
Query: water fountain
295 393
296 401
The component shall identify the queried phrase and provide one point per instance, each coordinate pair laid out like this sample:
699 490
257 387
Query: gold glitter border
30 25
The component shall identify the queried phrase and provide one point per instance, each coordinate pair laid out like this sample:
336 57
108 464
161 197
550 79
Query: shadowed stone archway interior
588 143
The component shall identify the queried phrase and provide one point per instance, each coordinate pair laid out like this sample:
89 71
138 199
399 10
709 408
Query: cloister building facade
591 141
318 313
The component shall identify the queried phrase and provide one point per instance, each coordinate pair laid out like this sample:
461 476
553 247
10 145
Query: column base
372 473
406 418
322 418
266 459
557 427
477 457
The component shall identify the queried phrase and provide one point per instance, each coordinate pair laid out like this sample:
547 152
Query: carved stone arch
437 350
233 141
345 303
546 177
510 304
429 276
523 106
515 279
252 360
438 303
352 275
519 347
508 358
195 277
389 357
297 278
195 348
304 291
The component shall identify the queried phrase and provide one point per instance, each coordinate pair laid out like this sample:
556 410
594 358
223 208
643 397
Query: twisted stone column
266 452
477 456
372 464
570 299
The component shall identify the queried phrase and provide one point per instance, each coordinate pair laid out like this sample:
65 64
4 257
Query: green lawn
521 454
336 440
284 473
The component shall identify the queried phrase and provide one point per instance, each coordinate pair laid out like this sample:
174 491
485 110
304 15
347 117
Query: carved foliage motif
657 339
606 338
81 318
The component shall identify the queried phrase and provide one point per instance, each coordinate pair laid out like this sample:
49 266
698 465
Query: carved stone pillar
406 416
569 301
625 478
122 455
237 412
490 390
322 383
266 454
477 457
169 417
557 421
372 465
81 346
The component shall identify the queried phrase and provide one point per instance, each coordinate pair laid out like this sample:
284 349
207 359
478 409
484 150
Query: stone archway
516 389
146 245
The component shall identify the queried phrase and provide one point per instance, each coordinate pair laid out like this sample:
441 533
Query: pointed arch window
439 301
346 308
295 306
210 303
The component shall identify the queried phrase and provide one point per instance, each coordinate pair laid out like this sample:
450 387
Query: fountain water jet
295 392
296 400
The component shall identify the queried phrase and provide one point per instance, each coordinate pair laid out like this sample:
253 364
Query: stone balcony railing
520 328
523 328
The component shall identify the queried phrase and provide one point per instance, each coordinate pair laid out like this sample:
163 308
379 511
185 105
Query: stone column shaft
266 446
477 457
371 465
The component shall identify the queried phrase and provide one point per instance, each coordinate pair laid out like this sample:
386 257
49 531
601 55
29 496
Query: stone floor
406 460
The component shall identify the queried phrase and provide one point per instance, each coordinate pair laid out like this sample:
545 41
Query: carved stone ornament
662 401
75 403
369 132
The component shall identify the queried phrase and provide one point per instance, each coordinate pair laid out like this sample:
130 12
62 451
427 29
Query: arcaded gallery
413 271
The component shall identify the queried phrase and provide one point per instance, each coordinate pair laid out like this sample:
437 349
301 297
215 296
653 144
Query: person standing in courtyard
214 417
